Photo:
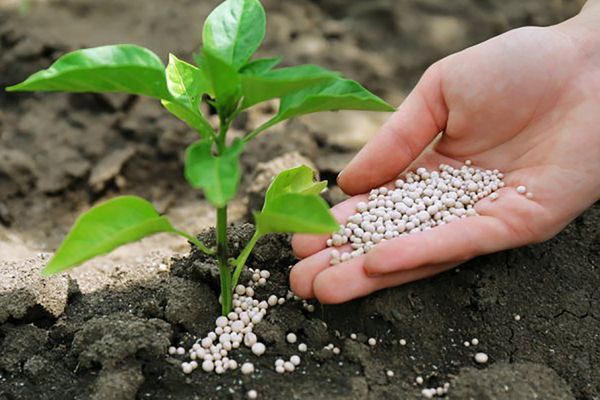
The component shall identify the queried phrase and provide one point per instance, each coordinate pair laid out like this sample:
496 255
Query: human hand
526 102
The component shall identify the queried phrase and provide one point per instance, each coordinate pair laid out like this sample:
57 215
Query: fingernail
339 176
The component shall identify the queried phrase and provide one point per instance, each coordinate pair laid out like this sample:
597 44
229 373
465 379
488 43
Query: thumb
419 119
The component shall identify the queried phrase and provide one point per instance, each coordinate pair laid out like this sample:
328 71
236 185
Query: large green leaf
187 84
225 83
295 180
218 176
258 87
234 30
105 227
296 213
120 68
339 94
260 65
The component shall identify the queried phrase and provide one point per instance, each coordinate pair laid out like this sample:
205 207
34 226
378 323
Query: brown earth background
61 153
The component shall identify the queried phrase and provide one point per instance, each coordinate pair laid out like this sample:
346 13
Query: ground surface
104 334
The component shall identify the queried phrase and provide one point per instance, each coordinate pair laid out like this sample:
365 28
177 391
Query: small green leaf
105 227
258 87
340 94
234 30
187 84
295 180
296 213
225 82
122 68
260 65
218 176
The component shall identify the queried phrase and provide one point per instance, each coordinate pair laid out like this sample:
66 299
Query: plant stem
224 271
240 262
196 242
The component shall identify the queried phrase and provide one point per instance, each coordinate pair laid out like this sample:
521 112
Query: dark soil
111 344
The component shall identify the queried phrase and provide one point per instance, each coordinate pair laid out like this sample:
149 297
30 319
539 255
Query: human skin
526 102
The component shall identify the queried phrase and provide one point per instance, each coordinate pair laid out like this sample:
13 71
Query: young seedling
229 80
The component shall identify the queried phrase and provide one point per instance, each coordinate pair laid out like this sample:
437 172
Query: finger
403 137
457 241
305 245
304 272
348 281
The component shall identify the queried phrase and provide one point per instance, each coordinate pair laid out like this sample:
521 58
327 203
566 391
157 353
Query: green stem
224 271
260 129
196 242
240 262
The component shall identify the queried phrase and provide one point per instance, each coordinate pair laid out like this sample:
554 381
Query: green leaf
105 227
295 180
260 65
225 82
234 30
258 87
187 83
340 94
296 213
218 176
120 68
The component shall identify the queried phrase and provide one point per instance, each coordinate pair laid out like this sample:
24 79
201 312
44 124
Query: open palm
527 103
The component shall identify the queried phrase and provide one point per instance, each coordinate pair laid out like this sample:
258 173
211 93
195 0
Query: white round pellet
295 360
390 373
372 341
172 350
517 317
280 369
353 336
288 366
521 189
302 347
258 348
180 351
419 380
252 394
208 365
474 341
467 344
336 350
187 368
240 289
247 368
481 358
291 337
402 342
